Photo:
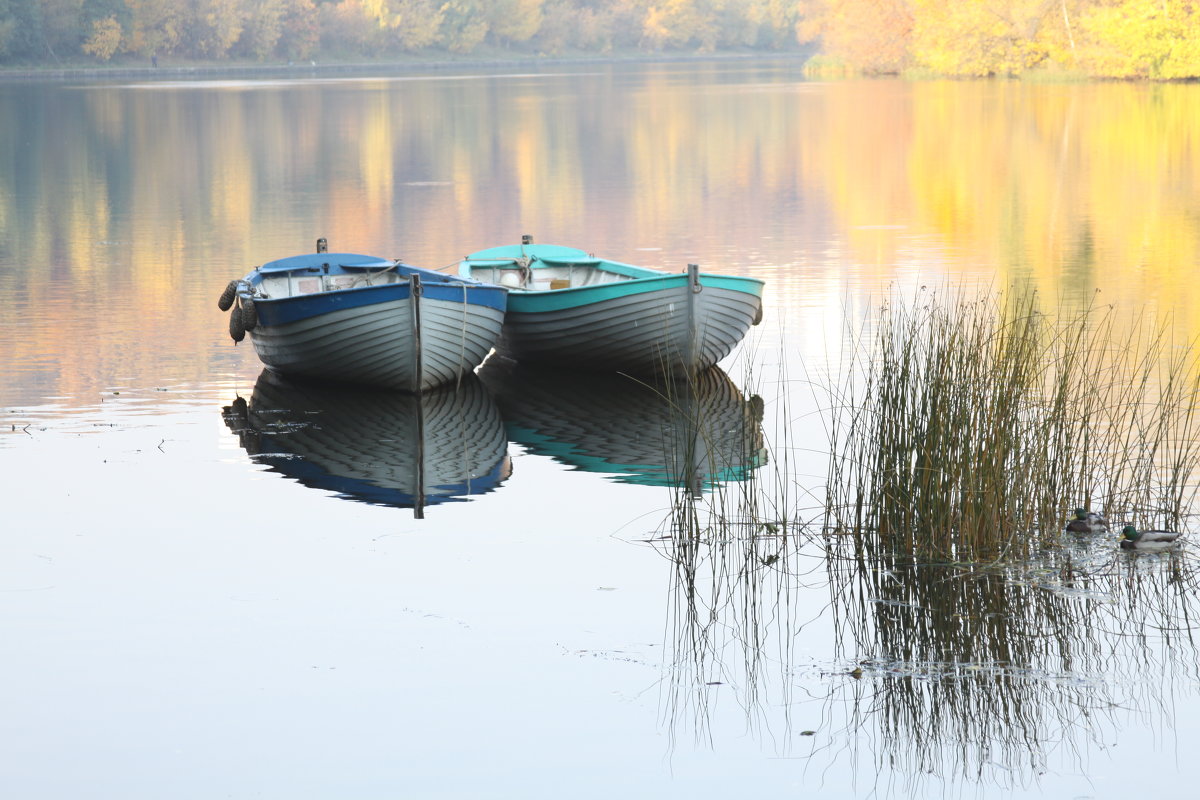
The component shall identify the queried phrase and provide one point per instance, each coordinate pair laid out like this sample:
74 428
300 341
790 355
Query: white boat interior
544 275
295 284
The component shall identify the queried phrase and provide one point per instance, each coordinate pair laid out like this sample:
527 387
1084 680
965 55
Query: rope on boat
367 277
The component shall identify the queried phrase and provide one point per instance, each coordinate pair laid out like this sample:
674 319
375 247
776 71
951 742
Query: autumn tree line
1157 39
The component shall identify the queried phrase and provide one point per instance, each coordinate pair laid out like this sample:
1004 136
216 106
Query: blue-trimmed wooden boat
568 307
354 318
376 446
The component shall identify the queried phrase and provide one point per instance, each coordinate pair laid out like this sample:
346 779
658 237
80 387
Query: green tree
778 22
407 24
18 29
346 26
211 28
59 27
464 25
417 23
299 36
678 23
515 21
155 27
262 29
597 26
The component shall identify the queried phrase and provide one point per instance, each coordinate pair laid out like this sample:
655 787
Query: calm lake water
200 603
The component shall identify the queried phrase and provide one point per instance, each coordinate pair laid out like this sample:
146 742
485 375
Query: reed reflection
703 439
377 447
733 614
966 675
934 677
726 535
696 434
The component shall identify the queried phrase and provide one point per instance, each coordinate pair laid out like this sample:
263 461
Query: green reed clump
968 428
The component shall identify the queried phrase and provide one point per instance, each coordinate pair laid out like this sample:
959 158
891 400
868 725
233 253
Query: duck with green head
1087 522
1151 541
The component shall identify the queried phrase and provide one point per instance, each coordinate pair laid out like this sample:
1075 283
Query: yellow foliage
1157 39
105 38
872 35
1143 39
516 20
971 38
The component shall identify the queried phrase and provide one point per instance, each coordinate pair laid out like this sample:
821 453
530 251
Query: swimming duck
1152 541
1087 522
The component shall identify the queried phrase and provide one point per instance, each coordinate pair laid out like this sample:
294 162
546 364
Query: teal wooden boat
568 307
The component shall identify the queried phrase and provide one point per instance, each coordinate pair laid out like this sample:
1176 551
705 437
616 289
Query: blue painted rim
435 285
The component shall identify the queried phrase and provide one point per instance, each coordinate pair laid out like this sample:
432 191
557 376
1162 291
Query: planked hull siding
570 308
675 433
377 446
641 332
374 344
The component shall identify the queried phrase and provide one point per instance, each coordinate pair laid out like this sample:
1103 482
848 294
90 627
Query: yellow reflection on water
121 228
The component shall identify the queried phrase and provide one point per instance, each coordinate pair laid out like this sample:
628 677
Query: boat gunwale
639 280
540 300
312 262
282 310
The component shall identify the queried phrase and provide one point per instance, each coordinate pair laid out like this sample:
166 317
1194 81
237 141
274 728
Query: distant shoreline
415 64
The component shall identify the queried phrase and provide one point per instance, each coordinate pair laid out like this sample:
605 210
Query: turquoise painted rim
643 279
545 256
559 299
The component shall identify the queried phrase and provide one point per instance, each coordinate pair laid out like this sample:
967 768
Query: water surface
194 606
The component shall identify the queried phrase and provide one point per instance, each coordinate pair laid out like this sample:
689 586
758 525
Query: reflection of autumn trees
135 205
1076 187
1114 38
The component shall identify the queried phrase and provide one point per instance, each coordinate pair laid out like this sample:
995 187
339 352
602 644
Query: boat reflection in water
373 446
689 434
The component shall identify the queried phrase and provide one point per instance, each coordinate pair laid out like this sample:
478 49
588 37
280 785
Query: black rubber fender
237 329
249 313
225 301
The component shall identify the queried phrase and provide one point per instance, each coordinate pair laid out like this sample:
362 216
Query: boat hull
380 335
636 320
646 327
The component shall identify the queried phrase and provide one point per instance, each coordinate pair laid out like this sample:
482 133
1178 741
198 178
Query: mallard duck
1087 522
1133 539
